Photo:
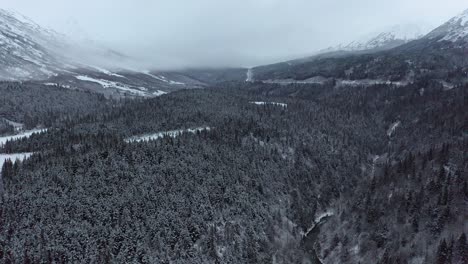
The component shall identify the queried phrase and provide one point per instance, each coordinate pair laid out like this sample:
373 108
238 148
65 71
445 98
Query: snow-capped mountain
456 29
26 49
386 39
29 52
433 55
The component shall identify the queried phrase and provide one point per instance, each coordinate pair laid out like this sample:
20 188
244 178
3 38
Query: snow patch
163 79
59 85
321 216
318 220
270 103
110 84
108 72
159 93
447 86
392 128
13 157
25 134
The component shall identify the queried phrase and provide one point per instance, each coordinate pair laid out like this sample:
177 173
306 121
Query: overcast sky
171 33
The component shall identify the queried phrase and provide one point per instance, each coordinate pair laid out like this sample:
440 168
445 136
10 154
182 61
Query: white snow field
13 157
270 103
24 134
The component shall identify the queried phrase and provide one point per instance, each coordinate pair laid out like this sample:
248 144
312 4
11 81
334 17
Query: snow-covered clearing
392 128
25 134
321 216
19 156
318 220
111 84
16 125
163 78
107 72
447 86
172 133
159 93
13 157
270 103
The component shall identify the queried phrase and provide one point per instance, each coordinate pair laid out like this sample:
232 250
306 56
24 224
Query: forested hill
41 105
388 163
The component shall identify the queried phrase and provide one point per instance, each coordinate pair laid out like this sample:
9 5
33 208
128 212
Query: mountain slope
30 52
441 55
26 48
389 38
456 29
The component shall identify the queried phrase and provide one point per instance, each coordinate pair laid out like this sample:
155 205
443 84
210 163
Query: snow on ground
159 93
447 86
270 103
355 249
13 157
58 84
162 78
320 216
25 134
176 83
14 124
172 133
369 82
249 75
111 84
392 128
317 220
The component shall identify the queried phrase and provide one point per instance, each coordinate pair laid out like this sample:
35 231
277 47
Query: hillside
441 55
34 53
249 188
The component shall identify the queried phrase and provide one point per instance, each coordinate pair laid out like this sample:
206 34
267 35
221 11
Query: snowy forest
296 173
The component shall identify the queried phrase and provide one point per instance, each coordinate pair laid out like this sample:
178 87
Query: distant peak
456 29
386 38
462 18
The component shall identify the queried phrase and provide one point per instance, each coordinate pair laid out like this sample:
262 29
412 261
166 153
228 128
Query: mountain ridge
441 55
384 39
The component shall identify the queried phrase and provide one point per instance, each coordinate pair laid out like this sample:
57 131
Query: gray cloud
179 33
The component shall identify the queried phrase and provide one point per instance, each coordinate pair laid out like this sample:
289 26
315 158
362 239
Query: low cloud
183 33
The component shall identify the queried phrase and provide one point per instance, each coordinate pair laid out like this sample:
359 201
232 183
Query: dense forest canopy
388 163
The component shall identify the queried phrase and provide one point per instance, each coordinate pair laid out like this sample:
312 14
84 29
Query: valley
357 154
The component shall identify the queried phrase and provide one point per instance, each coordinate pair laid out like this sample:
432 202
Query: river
310 238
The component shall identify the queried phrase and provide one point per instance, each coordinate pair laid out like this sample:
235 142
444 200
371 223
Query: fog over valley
173 34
